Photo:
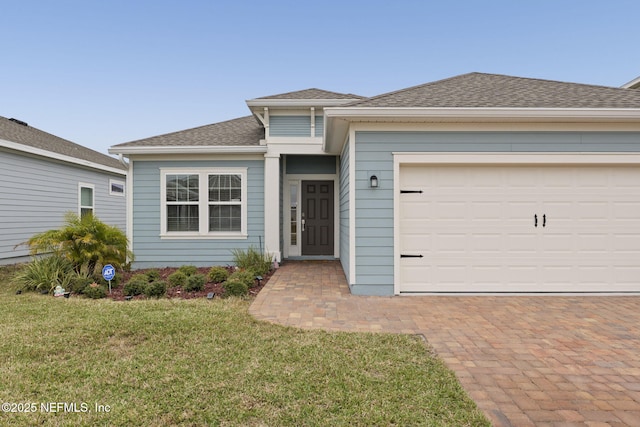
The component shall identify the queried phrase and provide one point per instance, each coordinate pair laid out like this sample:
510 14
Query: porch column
272 204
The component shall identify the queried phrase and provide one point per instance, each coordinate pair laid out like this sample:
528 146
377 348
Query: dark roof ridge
331 94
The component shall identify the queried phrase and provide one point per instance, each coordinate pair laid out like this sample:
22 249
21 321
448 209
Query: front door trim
289 179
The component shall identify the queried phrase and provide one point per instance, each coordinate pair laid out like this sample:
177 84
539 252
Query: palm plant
86 242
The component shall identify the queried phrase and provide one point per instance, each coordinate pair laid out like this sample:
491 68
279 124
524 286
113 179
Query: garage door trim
401 158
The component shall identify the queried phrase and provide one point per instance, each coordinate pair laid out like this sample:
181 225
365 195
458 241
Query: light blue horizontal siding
37 192
295 126
343 194
307 164
290 126
374 207
152 251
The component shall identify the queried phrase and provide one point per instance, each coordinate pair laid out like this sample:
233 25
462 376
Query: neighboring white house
43 177
476 183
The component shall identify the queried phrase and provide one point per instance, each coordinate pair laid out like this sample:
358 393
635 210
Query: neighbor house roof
479 90
240 132
18 135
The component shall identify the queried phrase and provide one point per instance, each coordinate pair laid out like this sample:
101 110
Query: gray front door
317 218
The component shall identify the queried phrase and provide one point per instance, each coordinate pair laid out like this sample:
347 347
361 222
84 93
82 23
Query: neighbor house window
116 188
85 199
209 203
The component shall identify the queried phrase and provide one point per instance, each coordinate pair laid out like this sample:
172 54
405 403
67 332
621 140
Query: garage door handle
544 220
410 256
535 220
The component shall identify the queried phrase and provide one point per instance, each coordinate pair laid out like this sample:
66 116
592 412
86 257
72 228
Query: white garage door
519 228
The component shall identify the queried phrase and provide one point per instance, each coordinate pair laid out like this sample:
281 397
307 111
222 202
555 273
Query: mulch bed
117 293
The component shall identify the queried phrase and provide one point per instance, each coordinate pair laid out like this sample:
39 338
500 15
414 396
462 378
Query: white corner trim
352 208
396 224
272 205
60 157
129 206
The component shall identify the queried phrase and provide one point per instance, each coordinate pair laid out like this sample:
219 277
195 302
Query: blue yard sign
108 272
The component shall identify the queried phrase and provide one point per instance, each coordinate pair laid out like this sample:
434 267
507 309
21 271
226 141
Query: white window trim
82 185
203 203
117 182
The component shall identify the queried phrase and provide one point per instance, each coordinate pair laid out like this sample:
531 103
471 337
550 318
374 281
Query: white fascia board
633 84
60 157
292 103
589 114
337 119
189 150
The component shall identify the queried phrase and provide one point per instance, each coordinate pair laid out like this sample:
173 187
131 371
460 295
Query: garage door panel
476 228
626 243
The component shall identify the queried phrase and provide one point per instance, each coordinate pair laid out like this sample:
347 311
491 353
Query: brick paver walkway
526 360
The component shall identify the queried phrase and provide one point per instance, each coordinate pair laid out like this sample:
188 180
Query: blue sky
105 72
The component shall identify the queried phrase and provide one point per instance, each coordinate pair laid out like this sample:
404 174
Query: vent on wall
20 122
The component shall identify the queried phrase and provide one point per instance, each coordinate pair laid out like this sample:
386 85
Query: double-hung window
85 199
205 203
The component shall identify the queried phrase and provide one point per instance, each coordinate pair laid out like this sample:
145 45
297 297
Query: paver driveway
525 360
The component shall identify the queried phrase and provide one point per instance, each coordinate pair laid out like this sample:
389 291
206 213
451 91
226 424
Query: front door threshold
312 258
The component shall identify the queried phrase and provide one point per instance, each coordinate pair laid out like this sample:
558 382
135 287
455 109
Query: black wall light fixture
373 181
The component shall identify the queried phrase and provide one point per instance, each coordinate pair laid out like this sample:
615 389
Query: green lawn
198 362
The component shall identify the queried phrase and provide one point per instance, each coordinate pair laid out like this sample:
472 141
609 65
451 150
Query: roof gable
479 90
313 93
15 131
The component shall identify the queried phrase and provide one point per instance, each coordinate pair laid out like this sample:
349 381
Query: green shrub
95 291
136 284
86 242
252 259
195 283
44 274
218 274
153 275
78 282
245 276
235 287
177 278
156 289
188 270
100 280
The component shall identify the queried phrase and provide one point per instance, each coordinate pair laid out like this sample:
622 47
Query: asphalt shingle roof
16 132
473 90
479 90
313 93
243 131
